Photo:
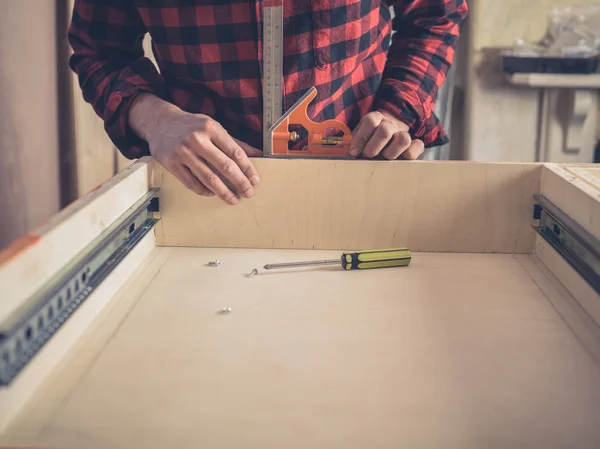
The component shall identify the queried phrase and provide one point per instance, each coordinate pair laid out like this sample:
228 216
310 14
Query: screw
225 310
252 273
214 263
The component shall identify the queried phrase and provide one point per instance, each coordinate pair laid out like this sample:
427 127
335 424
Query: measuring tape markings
272 68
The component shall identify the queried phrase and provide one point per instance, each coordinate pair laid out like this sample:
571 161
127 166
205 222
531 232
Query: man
200 114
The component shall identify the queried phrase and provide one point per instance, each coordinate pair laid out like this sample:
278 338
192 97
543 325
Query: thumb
248 149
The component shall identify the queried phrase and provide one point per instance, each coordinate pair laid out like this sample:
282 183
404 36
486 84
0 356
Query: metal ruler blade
272 69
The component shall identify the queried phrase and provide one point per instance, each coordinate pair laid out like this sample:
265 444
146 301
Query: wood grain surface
455 351
318 204
575 189
48 248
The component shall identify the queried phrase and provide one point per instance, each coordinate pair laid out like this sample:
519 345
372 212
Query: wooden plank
306 204
95 152
43 252
35 258
578 287
100 318
24 386
325 358
574 189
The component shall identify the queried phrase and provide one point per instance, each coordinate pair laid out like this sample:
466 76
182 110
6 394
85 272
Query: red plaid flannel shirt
209 54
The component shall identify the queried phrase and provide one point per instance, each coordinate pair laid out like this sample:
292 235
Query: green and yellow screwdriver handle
376 258
360 260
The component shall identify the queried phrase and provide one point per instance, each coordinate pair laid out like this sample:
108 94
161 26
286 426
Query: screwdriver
360 260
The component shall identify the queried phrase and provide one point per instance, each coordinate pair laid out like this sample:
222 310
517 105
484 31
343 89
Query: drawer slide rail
577 246
31 326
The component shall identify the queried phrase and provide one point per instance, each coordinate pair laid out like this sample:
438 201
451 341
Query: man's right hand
196 149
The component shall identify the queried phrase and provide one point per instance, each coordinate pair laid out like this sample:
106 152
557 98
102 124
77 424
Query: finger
399 143
188 179
363 132
380 138
249 149
414 150
202 146
207 176
242 173
182 173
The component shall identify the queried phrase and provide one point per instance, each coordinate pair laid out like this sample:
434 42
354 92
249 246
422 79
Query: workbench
490 338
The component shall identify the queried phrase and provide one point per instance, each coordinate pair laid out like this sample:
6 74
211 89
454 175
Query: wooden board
25 385
306 204
454 351
31 261
575 189
39 255
455 342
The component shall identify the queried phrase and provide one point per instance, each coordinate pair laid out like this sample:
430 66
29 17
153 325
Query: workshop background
53 148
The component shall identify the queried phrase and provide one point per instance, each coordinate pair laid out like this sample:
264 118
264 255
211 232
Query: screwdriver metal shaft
274 266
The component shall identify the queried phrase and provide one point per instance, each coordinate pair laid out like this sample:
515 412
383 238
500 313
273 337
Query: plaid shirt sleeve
108 57
419 57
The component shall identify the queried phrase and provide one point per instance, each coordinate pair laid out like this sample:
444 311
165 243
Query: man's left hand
379 132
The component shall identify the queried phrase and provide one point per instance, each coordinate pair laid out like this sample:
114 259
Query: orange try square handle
319 144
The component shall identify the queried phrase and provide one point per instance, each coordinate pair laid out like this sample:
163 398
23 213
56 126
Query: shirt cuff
406 105
118 129
116 120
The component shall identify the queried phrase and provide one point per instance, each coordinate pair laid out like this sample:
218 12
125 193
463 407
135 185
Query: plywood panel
41 253
582 292
38 256
574 189
427 206
24 386
454 351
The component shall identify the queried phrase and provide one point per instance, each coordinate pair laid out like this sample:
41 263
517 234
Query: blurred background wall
502 121
53 147
29 155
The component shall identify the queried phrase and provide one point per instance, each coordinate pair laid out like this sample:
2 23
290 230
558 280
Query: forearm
148 114
112 70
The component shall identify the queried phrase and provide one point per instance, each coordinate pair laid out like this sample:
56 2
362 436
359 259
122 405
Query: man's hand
196 149
379 132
